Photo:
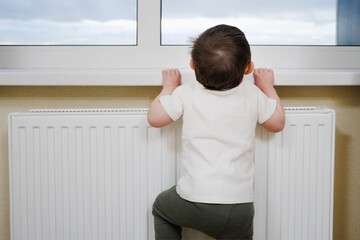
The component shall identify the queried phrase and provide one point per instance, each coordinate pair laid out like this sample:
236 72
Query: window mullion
149 24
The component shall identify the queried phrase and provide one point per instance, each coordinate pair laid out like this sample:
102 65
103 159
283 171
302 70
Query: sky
276 22
294 22
68 22
68 10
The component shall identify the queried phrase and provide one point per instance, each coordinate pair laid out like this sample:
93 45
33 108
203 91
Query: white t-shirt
218 140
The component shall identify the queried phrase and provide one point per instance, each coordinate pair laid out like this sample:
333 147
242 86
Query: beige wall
345 100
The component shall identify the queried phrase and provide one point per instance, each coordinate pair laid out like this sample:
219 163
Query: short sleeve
266 106
174 103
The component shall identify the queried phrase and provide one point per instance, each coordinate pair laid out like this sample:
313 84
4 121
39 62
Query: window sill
152 77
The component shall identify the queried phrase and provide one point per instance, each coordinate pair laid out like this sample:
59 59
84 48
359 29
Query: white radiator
94 174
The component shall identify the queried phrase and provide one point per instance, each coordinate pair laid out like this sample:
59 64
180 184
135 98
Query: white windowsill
152 77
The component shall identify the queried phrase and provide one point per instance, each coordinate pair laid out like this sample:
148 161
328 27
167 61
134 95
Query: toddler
220 112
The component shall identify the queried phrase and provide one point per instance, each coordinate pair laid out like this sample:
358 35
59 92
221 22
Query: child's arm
264 79
157 116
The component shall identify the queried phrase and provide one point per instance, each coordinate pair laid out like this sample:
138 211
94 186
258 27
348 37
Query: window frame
142 64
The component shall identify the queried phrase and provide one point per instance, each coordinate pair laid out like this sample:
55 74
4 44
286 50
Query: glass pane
68 22
348 22
264 22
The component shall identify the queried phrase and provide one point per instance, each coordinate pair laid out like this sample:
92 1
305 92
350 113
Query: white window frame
142 64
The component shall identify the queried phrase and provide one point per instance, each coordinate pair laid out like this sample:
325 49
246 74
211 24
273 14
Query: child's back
220 113
218 140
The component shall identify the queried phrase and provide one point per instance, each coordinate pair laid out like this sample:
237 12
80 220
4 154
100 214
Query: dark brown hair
221 55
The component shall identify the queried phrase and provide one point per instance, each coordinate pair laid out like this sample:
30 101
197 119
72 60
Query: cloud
114 21
85 32
275 31
68 10
234 8
277 22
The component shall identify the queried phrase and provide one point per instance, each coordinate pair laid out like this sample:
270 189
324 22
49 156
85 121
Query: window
139 61
68 22
276 22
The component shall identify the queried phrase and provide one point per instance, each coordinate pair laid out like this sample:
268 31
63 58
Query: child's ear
192 65
249 68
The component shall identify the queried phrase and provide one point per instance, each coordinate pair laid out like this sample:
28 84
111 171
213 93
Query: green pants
220 221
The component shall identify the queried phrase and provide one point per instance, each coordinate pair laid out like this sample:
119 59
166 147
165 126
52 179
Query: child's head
220 57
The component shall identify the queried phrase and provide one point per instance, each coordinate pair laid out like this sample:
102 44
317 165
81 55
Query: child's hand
171 78
157 116
264 78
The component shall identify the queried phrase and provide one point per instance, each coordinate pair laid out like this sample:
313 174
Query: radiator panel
94 174
294 179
